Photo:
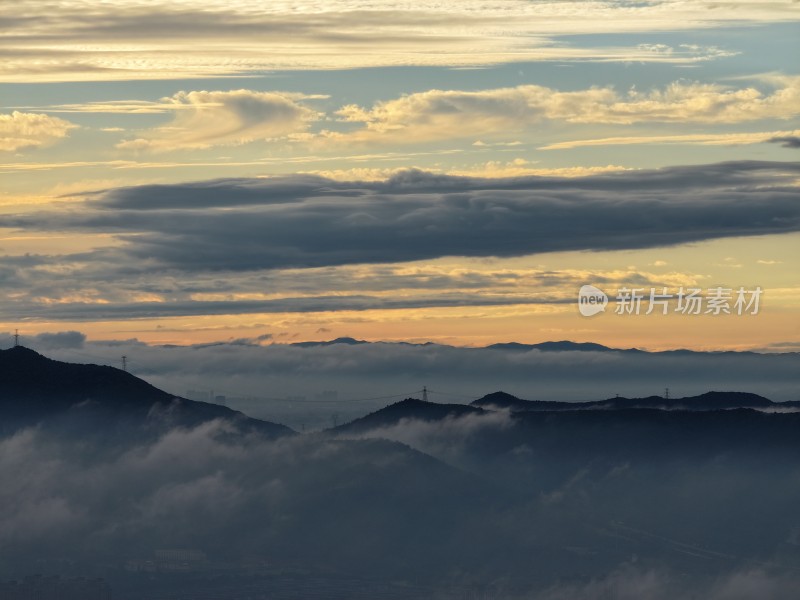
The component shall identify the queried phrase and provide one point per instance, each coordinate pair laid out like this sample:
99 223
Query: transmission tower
424 393
16 338
125 363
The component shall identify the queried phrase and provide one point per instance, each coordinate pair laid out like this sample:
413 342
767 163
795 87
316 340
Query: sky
200 171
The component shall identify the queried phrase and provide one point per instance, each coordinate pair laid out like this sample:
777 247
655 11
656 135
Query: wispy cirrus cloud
703 139
180 101
357 173
60 289
135 39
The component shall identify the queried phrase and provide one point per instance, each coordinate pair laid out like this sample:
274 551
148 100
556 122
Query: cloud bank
615 524
436 114
304 243
287 222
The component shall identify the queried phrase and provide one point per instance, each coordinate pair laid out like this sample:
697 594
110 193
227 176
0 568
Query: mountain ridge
547 346
712 400
410 408
35 388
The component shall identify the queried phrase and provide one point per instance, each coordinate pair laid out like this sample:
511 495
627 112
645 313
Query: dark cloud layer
789 141
312 222
81 311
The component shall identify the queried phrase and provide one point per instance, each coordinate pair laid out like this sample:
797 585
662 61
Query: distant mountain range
562 346
640 430
34 388
352 342
707 401
343 340
418 410
552 346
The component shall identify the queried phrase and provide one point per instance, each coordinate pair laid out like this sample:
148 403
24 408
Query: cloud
446 439
520 167
147 107
61 339
305 221
91 307
109 497
204 119
234 497
782 347
366 173
199 38
54 288
702 139
19 131
630 582
437 114
305 244
787 141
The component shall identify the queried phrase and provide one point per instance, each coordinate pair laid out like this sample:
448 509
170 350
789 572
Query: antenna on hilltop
125 363
16 338
424 393
666 393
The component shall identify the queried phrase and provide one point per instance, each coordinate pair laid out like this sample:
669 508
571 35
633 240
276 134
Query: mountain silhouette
34 388
707 401
410 408
504 401
342 340
642 430
561 346
548 346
